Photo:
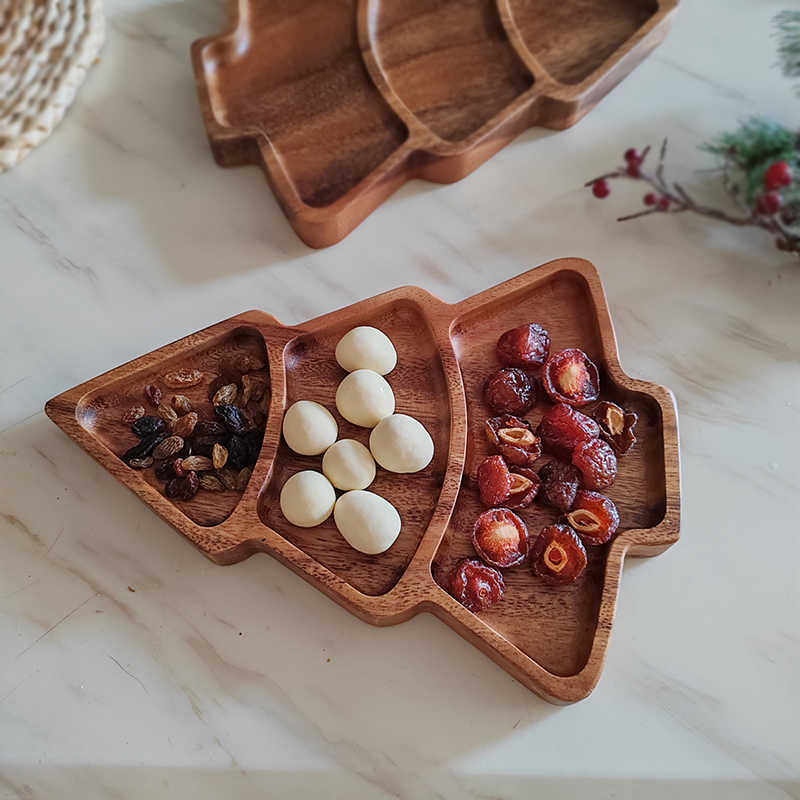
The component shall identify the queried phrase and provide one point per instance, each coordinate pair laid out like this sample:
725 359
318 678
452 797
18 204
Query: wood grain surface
553 639
341 103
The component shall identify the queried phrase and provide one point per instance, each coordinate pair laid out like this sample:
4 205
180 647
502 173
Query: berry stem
681 201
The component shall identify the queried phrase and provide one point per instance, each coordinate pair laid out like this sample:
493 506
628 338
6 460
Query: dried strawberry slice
500 538
563 428
526 346
597 463
593 517
560 484
475 585
558 555
509 391
571 377
514 439
494 481
525 485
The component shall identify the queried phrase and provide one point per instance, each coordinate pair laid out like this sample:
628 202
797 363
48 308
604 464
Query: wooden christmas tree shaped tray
552 638
342 102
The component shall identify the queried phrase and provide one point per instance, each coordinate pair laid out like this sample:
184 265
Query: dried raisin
559 485
509 391
597 463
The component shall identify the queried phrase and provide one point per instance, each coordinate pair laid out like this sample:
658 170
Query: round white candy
369 523
347 464
364 398
309 428
366 348
307 499
400 443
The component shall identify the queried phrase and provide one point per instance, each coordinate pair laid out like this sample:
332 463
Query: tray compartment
292 73
418 382
99 412
554 626
572 38
449 61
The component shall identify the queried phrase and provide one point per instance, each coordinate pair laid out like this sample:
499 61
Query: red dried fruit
597 463
526 346
475 585
525 485
133 413
571 377
558 555
509 391
560 484
494 481
514 439
153 394
563 428
500 538
594 517
617 426
177 468
179 378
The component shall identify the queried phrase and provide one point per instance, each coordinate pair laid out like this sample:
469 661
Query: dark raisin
210 427
238 453
232 417
145 447
203 445
183 488
254 440
147 426
163 469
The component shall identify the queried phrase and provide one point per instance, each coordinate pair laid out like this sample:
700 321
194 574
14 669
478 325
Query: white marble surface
121 234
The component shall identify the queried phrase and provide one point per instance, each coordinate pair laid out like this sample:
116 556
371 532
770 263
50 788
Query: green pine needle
787 25
750 149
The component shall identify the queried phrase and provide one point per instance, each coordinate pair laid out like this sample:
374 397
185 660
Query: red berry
664 203
650 199
633 169
632 155
769 204
777 175
601 188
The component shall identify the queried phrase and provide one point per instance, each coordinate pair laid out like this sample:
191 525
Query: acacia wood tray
342 102
552 638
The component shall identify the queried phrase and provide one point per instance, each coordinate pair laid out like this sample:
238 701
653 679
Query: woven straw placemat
46 47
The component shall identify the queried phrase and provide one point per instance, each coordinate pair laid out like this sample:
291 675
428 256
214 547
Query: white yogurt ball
347 464
366 348
307 499
309 428
369 523
364 398
400 443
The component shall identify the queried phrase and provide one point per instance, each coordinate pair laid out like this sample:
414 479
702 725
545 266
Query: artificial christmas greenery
759 164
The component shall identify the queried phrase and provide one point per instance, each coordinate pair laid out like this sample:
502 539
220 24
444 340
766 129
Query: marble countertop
121 234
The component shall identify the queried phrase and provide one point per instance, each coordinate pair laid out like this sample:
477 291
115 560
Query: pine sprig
747 152
787 25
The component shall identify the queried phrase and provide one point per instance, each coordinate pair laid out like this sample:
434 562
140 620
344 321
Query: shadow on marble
23 782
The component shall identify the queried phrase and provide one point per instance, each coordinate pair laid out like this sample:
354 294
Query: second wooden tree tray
552 638
342 102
